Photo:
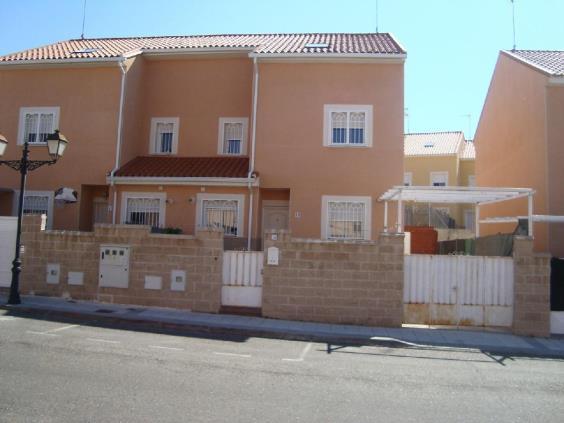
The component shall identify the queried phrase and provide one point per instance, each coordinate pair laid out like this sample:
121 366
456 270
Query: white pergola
461 195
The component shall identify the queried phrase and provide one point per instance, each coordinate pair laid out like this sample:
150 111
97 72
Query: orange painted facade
292 163
519 143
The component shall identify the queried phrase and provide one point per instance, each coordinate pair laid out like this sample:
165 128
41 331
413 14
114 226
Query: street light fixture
56 145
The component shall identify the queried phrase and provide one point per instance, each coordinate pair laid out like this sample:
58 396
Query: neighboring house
520 140
242 132
440 159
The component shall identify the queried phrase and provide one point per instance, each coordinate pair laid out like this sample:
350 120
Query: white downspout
118 141
253 140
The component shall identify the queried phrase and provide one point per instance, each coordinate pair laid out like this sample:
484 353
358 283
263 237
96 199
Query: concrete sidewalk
406 337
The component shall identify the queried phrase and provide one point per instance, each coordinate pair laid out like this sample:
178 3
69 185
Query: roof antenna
513 8
376 16
406 118
83 19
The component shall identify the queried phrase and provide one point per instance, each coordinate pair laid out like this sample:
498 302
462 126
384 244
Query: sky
452 45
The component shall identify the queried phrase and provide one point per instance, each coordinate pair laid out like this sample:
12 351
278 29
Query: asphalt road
53 371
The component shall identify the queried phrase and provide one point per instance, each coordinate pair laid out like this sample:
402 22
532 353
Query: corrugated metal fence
457 290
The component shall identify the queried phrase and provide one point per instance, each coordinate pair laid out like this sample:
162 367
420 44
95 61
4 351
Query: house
241 132
520 140
440 159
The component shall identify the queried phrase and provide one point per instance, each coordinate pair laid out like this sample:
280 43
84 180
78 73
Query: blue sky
452 44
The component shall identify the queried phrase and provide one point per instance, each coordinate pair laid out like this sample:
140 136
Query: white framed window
439 179
471 180
164 135
345 217
347 125
143 208
36 123
224 211
408 179
232 136
36 202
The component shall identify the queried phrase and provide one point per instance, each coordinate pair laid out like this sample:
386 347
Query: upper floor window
345 217
347 125
439 179
36 123
164 135
232 137
408 179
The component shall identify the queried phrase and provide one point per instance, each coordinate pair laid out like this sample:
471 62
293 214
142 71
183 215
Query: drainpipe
253 142
118 141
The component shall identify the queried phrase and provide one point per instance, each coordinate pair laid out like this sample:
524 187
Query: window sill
348 145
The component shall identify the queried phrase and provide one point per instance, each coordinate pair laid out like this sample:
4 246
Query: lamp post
56 145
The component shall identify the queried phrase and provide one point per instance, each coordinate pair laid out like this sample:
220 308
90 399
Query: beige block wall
531 305
335 282
150 255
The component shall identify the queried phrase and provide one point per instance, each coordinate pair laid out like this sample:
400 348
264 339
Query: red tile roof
433 143
549 61
186 167
260 44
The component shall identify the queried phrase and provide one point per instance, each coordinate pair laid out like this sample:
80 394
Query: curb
240 331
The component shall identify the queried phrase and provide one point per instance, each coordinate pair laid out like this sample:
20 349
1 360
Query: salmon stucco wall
88 98
511 145
555 140
290 152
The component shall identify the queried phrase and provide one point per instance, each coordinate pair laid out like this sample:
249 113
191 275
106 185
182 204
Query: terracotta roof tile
433 143
469 151
186 167
369 43
549 61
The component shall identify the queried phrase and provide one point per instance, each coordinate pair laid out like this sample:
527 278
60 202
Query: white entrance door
8 228
275 215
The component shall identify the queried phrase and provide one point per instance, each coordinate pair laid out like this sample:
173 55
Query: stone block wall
335 281
531 306
157 255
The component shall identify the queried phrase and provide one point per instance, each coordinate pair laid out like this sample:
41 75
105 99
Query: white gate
458 290
242 279
8 228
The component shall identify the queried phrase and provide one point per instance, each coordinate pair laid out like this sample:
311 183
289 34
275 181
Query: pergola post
530 215
385 216
477 220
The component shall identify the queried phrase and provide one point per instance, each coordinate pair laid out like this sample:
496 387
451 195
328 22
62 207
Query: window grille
232 137
35 204
164 136
346 220
221 214
37 126
143 211
348 127
439 179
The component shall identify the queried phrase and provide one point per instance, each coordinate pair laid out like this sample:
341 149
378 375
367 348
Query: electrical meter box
114 266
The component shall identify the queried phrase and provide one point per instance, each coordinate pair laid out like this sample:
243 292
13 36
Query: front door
275 215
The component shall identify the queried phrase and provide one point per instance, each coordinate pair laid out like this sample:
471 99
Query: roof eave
168 180
73 61
530 63
341 57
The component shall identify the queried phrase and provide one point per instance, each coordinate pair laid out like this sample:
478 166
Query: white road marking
62 328
166 348
40 333
107 341
233 354
302 355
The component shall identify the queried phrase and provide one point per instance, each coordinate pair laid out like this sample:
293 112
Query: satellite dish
66 195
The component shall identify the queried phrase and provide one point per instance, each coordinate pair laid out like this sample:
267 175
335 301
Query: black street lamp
56 144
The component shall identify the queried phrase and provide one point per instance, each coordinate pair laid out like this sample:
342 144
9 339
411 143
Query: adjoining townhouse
440 159
520 140
242 132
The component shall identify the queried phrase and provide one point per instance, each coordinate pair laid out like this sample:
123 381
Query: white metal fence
242 278
8 226
460 290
